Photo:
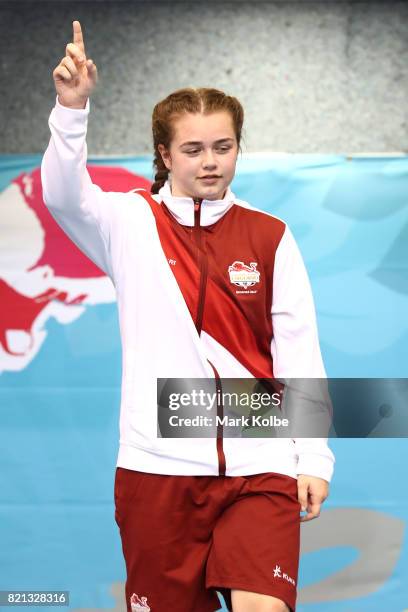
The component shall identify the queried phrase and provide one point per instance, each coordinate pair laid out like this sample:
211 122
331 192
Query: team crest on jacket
242 275
139 604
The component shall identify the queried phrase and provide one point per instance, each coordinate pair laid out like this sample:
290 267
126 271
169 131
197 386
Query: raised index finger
77 37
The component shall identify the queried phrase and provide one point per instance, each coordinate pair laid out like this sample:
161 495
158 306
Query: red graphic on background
27 291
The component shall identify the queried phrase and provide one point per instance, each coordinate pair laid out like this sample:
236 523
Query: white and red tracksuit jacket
180 314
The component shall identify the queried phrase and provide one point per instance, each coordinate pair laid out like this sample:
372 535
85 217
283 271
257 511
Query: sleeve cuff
315 465
70 118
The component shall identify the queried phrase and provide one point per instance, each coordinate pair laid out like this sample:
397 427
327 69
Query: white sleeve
79 206
295 344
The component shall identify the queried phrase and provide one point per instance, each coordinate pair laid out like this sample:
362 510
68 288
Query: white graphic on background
32 290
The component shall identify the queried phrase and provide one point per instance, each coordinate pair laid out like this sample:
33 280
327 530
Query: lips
209 176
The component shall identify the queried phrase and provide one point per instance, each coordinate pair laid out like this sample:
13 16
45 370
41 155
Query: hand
75 76
312 492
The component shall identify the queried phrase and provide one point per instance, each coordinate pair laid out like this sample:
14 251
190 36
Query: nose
209 162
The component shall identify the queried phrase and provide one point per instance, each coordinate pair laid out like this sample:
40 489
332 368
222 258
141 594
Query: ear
165 156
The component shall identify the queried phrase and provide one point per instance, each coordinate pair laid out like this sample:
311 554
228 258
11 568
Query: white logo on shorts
277 573
139 604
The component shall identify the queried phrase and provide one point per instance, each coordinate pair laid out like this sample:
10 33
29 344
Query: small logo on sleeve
139 604
244 276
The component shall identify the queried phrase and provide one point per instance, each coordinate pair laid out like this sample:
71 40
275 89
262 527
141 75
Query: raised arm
80 207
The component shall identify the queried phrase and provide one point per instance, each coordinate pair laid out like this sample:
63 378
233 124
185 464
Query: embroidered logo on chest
244 276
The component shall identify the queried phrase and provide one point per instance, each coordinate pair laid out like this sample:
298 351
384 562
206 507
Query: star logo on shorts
277 571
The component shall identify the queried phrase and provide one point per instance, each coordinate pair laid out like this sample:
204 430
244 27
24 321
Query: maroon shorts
186 537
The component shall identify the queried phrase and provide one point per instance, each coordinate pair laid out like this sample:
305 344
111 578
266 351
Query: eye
192 151
224 148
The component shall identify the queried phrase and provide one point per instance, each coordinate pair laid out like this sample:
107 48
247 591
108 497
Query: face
202 145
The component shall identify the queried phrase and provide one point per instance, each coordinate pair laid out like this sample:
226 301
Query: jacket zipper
203 267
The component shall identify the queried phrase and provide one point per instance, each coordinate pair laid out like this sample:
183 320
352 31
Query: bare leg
246 601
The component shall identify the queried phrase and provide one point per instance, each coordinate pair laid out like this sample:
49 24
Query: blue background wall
59 409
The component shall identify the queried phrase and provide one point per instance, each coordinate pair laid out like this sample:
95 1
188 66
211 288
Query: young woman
207 287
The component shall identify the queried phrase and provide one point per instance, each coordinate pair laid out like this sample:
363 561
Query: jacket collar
182 208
